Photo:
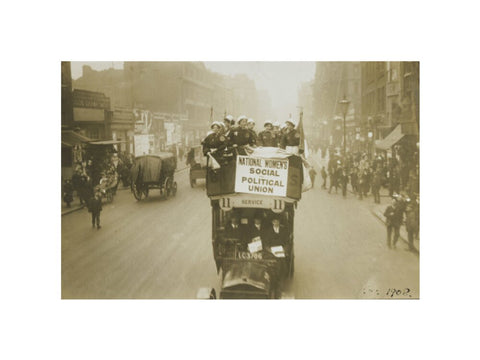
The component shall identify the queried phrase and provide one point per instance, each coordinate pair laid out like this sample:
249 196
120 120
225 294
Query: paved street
161 249
342 252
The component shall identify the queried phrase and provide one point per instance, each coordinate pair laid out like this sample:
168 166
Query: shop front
73 151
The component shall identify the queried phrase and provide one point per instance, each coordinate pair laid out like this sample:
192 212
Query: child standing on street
95 208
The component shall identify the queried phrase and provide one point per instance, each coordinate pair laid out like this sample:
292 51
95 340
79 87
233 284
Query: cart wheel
174 188
137 192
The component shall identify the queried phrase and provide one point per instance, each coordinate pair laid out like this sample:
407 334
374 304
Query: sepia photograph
159 156
240 180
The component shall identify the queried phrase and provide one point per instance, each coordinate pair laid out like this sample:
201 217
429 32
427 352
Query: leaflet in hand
278 251
255 245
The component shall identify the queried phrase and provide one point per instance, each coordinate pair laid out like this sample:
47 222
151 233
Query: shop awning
71 138
394 137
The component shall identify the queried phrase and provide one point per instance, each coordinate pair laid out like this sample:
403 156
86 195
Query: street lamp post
344 104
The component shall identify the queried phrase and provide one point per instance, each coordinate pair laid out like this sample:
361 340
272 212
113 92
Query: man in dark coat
354 179
257 229
343 180
376 185
334 176
76 181
85 191
95 207
412 221
68 192
393 181
394 219
363 183
276 234
237 233
323 172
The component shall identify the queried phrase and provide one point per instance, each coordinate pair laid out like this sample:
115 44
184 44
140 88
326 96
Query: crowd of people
226 135
90 180
367 177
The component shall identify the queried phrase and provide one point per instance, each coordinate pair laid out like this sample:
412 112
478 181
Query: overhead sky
281 79
95 65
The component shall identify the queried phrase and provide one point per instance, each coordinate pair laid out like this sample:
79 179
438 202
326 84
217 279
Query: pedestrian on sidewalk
334 174
362 179
411 221
344 182
368 180
323 172
354 179
95 207
394 219
413 184
68 192
393 181
312 174
85 189
77 180
376 184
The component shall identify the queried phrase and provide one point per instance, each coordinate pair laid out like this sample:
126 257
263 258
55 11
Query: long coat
95 205
394 215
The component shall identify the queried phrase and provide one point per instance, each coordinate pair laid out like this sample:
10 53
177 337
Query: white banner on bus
261 176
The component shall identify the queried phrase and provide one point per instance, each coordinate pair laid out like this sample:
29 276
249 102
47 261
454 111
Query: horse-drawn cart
154 172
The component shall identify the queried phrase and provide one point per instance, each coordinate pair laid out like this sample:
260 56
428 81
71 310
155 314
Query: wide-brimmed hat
216 123
241 117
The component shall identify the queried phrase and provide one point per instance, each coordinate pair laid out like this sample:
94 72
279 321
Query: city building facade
334 81
185 95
